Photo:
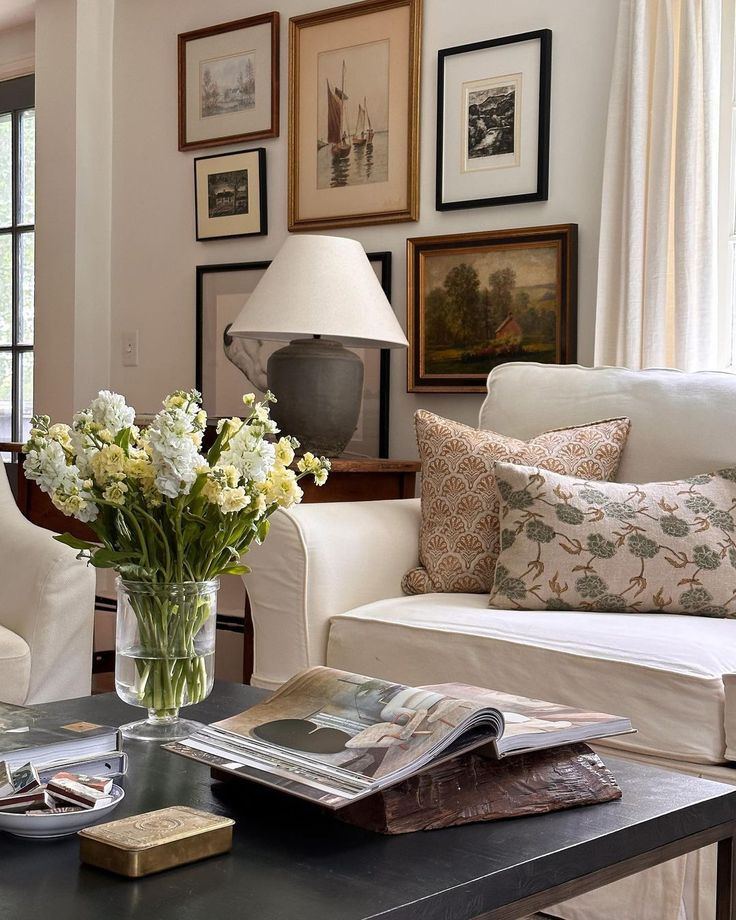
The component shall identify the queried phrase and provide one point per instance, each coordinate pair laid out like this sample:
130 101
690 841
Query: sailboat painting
352 115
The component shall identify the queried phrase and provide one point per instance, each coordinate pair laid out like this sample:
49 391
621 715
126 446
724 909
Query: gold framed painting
229 82
353 132
477 300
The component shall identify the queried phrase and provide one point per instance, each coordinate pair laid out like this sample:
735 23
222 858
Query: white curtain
657 284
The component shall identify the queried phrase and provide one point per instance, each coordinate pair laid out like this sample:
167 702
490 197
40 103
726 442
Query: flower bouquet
169 519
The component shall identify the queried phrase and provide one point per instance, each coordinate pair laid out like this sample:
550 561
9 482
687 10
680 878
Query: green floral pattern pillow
568 544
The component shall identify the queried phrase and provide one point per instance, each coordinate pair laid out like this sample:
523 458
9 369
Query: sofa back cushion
458 538
681 424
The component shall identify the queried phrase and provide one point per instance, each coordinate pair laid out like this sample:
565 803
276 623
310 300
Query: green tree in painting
462 286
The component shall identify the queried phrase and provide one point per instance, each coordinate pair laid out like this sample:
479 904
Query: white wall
107 140
17 47
153 246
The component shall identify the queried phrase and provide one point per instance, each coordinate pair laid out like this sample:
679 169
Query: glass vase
164 653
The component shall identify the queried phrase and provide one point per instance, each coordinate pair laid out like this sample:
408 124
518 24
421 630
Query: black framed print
493 104
230 195
228 367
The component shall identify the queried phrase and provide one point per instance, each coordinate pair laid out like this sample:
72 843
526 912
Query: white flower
46 465
250 454
174 454
109 411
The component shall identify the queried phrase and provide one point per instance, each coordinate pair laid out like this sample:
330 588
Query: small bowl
42 826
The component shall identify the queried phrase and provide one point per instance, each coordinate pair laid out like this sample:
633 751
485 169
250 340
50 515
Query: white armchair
46 612
320 560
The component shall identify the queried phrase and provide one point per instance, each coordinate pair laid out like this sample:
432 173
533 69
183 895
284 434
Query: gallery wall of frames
464 152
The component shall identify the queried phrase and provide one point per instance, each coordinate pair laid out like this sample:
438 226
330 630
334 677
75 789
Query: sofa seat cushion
664 671
15 667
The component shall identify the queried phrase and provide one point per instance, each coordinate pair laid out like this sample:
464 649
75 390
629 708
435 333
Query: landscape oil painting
484 302
492 122
227 84
352 115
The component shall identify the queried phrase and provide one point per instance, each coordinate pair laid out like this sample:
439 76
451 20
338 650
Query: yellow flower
175 401
231 500
232 476
115 493
249 399
282 487
141 469
284 452
211 491
108 463
68 504
62 434
320 477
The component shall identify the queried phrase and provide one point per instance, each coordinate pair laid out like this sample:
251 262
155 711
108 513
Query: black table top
294 861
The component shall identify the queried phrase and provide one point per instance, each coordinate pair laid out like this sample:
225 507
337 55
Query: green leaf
68 540
235 570
263 529
109 559
123 439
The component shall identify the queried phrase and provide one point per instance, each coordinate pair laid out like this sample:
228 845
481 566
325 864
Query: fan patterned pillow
458 539
573 545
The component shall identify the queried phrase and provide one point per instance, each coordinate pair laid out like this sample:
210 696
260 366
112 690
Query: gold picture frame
477 300
353 140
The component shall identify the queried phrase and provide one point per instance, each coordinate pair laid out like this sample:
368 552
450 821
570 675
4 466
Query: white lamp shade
320 285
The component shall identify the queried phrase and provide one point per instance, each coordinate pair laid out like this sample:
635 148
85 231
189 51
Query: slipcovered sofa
46 612
325 588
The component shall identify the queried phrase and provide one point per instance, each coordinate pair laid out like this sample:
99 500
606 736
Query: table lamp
319 294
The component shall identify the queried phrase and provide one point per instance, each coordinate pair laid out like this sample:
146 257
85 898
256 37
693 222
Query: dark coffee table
293 861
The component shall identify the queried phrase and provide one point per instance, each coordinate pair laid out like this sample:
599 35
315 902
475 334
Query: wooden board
477 788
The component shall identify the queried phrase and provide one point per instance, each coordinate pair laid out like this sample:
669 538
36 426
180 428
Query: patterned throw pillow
458 539
573 545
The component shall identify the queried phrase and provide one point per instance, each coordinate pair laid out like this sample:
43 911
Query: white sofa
46 612
325 588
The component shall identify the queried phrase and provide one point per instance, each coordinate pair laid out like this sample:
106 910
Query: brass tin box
154 841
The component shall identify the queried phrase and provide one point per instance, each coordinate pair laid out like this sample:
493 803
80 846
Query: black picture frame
262 195
383 258
541 193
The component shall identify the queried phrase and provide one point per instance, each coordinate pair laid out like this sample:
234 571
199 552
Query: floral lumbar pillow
568 544
458 540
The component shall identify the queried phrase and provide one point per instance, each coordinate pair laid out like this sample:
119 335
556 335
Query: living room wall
152 250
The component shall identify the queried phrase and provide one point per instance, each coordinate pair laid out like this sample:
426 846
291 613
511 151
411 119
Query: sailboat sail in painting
357 156
337 136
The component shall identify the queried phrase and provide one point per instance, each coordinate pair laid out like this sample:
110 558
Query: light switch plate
130 349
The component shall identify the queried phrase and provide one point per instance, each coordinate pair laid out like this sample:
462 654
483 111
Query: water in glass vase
164 656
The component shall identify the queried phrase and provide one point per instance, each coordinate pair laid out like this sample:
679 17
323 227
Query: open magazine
334 737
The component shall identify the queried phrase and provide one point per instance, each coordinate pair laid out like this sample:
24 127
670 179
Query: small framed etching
354 115
229 82
493 101
227 367
230 194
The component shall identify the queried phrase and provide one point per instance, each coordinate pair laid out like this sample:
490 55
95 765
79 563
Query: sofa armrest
48 599
320 560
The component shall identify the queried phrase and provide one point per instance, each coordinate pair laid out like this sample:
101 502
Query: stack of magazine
30 735
334 737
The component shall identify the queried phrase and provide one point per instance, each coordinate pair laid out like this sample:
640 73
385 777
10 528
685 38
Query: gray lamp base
319 387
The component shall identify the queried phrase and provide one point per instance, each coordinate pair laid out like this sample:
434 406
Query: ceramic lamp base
160 728
319 387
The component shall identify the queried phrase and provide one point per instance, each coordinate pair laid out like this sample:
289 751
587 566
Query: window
17 238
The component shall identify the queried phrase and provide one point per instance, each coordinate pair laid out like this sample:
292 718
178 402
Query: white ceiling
16 13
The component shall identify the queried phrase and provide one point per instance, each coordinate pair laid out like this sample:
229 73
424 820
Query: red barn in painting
509 329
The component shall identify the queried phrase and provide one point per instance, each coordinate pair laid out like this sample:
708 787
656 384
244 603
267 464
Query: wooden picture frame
508 161
374 419
476 300
241 47
353 137
230 195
